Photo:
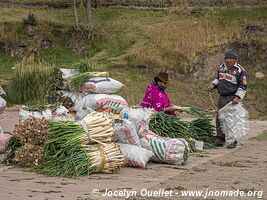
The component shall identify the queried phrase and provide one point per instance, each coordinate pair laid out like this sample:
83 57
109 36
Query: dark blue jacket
232 81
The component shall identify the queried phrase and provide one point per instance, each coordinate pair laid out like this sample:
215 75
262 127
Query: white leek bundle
106 158
98 127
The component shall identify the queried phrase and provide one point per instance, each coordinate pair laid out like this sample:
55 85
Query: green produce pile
76 82
200 129
64 154
10 148
67 154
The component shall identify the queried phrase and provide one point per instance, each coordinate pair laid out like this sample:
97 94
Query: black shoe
232 145
218 145
218 142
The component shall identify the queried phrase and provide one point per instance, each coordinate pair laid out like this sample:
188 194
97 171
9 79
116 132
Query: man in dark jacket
231 83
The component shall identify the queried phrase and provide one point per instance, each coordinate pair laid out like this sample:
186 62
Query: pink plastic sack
2 105
4 137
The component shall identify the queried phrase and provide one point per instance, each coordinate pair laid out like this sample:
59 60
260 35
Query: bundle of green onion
32 130
29 155
170 126
203 130
10 148
67 154
77 81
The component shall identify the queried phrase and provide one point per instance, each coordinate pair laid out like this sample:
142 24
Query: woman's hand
172 108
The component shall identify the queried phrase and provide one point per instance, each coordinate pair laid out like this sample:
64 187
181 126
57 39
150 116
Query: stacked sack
58 113
4 137
93 91
140 145
2 101
126 136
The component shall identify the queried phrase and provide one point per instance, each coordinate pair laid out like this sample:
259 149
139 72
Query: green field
169 39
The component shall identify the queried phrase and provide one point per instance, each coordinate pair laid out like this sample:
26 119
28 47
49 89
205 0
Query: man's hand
235 100
211 87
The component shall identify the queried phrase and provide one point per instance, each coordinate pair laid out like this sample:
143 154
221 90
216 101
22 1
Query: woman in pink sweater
156 96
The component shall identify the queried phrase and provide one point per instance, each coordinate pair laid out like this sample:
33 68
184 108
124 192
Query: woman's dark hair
156 79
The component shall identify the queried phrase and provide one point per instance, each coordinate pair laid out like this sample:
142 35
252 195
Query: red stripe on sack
2 108
129 136
171 150
88 87
133 163
108 99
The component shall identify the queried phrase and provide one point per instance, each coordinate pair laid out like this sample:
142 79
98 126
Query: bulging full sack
101 85
233 121
125 132
75 96
25 113
2 105
61 113
135 156
68 73
166 150
137 115
101 102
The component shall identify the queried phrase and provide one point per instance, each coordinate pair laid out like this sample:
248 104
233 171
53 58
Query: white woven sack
101 85
234 122
135 156
125 132
68 73
102 102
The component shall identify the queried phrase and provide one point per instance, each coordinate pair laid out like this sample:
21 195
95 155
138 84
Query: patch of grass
29 84
243 15
160 39
261 137
256 98
60 56
6 64
170 40
228 164
156 2
132 78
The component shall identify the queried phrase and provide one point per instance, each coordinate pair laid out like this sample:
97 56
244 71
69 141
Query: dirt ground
239 170
243 170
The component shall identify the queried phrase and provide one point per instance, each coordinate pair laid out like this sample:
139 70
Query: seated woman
156 96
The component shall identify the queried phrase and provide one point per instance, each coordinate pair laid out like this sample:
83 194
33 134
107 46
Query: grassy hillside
149 2
135 44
